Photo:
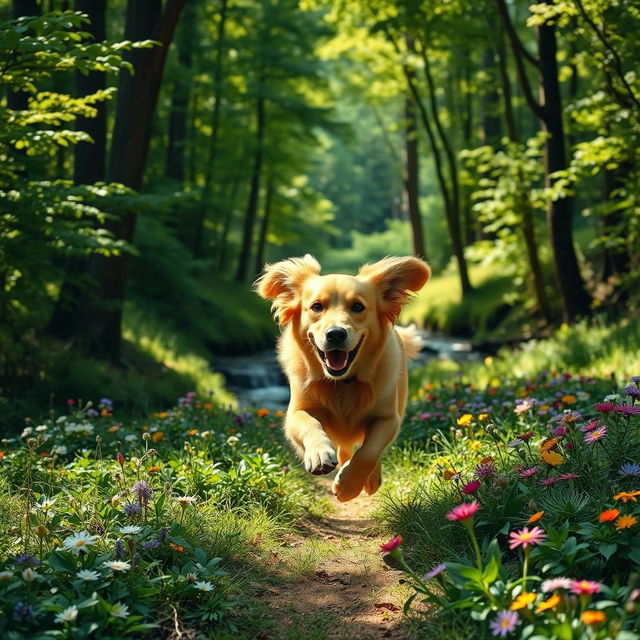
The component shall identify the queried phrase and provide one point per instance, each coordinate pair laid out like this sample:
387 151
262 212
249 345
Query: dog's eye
357 307
317 307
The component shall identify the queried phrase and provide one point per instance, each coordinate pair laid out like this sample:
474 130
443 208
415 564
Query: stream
257 380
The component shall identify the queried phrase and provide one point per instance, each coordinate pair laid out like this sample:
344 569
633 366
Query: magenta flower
627 410
504 623
596 434
605 407
526 537
585 587
590 426
569 476
392 544
436 571
463 511
548 482
559 431
120 459
486 470
527 473
471 487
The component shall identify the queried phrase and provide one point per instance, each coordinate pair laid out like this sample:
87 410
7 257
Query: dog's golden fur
345 361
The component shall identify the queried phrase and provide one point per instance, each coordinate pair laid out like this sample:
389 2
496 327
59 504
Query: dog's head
337 317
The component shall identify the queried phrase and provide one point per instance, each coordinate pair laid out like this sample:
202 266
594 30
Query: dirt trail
334 581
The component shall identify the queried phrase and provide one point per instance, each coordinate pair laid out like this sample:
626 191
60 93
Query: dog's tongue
336 360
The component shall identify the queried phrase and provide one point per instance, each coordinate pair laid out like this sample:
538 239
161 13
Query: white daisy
60 449
41 428
120 610
88 576
117 565
183 501
202 585
68 615
29 575
130 530
47 503
80 542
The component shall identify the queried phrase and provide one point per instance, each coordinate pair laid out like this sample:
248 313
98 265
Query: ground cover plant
525 515
117 528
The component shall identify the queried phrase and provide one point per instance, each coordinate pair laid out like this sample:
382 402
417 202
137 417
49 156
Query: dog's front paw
320 459
346 486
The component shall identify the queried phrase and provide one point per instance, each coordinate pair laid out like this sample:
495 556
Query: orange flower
44 454
535 517
192 432
592 617
105 412
207 405
116 427
626 496
154 468
161 414
523 600
549 603
552 458
279 414
486 460
625 521
569 399
1 455
449 473
608 515
549 444
177 547
157 436
261 413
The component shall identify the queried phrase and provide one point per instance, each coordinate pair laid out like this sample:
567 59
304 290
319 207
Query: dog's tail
411 340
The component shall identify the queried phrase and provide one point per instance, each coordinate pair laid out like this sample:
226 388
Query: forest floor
332 582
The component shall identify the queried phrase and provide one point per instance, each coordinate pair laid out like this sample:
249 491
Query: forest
155 154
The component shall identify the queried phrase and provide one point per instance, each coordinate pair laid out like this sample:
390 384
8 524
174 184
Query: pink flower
547 482
526 537
596 434
471 487
527 473
559 431
463 511
486 470
592 425
605 407
392 544
585 587
627 410
504 623
556 583
524 405
569 476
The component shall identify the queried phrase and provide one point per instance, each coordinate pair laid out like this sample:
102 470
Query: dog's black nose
336 336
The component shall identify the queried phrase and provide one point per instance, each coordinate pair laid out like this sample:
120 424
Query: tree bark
137 97
254 192
264 228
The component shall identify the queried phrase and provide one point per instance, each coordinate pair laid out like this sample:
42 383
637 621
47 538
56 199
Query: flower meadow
526 516
113 529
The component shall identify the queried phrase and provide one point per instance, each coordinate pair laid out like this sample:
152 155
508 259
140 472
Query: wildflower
556 583
549 603
569 476
522 406
68 615
177 547
202 585
486 470
627 496
157 436
450 474
592 617
625 521
183 501
526 436
436 571
80 542
22 612
392 544
605 407
569 399
132 510
585 587
29 575
463 511
119 550
527 473
151 544
515 443
87 576
5 576
504 622
464 420
117 565
547 445
120 459
552 458
559 431
608 515
471 487
627 410
261 413
630 470
28 559
523 600
535 517
120 610
612 397
483 417
526 537
595 434
143 492
130 530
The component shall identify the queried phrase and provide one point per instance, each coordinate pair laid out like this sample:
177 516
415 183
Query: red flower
605 407
471 487
392 544
120 459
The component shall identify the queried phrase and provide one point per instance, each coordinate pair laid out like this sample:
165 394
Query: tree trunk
252 203
616 259
137 96
264 228
559 211
88 168
412 175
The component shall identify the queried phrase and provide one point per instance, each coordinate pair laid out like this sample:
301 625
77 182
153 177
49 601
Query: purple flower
132 510
22 612
119 550
151 544
632 391
162 534
436 571
630 470
504 623
559 431
143 492
486 470
92 412
627 410
28 559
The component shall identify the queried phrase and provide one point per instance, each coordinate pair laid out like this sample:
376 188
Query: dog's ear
281 283
395 279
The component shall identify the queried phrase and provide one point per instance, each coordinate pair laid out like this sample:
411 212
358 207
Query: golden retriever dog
345 361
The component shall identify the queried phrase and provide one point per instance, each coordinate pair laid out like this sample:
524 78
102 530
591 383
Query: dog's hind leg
374 480
344 455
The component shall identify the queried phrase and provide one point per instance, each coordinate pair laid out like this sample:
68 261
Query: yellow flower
279 414
161 414
465 420
549 603
157 436
474 445
625 521
569 399
488 361
523 600
592 617
552 458
116 427
626 496
483 417
544 407
192 432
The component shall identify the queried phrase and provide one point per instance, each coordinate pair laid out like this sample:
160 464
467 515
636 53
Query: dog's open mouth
338 361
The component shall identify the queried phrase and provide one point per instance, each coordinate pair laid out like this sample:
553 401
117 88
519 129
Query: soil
333 581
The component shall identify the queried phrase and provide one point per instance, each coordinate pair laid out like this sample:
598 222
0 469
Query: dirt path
333 581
